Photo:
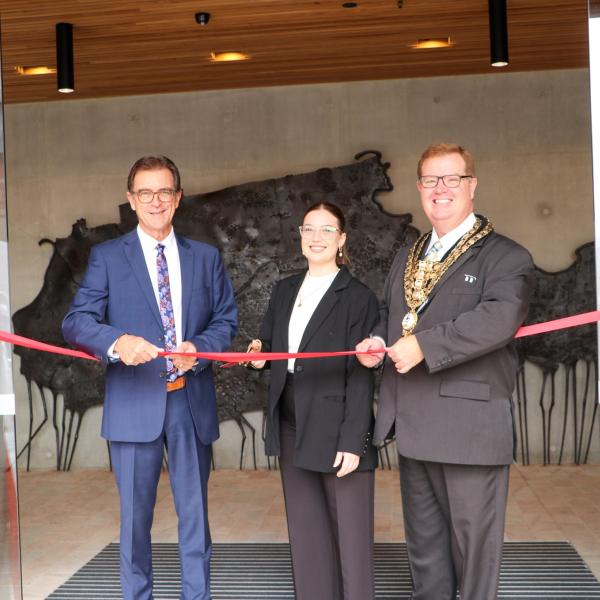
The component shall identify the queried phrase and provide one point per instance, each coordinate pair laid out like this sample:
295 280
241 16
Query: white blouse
311 292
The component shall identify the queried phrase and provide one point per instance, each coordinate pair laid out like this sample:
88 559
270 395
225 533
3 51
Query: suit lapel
137 262
186 263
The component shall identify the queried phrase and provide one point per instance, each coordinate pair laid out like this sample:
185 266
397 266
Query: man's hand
369 360
134 350
348 461
184 363
406 353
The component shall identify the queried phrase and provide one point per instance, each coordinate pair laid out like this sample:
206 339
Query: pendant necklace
320 287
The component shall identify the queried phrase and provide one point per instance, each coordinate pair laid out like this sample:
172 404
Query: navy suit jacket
116 297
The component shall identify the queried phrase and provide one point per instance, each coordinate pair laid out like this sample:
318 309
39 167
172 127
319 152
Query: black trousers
454 527
330 526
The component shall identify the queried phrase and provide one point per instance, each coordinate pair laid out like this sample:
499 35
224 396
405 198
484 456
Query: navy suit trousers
137 469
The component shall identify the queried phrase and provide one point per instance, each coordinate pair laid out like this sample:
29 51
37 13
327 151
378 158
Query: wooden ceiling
125 47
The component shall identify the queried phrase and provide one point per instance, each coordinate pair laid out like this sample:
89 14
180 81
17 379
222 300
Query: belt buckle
178 384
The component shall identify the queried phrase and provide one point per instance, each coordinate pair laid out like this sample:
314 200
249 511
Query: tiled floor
66 518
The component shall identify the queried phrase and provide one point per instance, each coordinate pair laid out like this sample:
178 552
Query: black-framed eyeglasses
147 196
451 181
326 231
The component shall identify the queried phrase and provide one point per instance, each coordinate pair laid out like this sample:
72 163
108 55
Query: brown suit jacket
455 406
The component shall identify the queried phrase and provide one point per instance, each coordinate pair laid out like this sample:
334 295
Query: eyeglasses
327 231
147 196
451 181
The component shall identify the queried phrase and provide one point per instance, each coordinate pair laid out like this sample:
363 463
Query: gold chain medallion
421 276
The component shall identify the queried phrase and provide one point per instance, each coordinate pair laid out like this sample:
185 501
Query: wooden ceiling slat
145 46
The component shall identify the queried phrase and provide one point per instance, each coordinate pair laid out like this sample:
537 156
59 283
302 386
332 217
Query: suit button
299 368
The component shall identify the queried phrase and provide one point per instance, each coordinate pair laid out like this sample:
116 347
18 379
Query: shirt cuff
111 354
377 337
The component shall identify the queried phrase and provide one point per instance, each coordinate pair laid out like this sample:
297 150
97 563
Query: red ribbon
238 357
18 340
556 324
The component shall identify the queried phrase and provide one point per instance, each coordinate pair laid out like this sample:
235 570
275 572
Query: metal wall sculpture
255 227
560 294
79 382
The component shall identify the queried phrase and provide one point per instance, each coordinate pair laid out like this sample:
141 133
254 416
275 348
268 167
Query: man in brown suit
452 304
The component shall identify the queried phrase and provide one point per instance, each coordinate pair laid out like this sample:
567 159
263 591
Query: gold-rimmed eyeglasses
327 231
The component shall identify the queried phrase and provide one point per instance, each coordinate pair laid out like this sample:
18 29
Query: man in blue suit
147 291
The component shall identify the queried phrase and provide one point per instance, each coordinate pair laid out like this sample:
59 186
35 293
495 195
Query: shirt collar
453 236
149 243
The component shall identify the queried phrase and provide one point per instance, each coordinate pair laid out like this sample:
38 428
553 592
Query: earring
340 252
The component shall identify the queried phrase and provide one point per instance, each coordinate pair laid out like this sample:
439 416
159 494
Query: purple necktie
166 308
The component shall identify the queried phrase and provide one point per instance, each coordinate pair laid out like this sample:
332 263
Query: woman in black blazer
320 415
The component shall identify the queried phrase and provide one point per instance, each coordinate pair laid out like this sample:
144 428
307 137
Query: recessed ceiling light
350 4
35 70
444 42
228 56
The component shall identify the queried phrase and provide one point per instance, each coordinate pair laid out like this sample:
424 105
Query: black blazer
333 396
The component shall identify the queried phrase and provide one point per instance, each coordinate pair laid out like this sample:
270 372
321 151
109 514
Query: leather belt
178 384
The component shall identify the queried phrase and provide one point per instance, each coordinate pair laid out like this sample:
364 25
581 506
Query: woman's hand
370 360
348 462
255 346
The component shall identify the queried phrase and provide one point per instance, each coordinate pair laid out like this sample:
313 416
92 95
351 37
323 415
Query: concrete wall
530 133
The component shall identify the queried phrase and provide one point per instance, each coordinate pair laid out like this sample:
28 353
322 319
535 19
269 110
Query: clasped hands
405 353
134 350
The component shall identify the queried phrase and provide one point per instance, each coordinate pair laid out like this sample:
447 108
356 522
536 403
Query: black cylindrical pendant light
498 33
65 76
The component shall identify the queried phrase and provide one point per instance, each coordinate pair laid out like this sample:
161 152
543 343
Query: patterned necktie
433 254
166 308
